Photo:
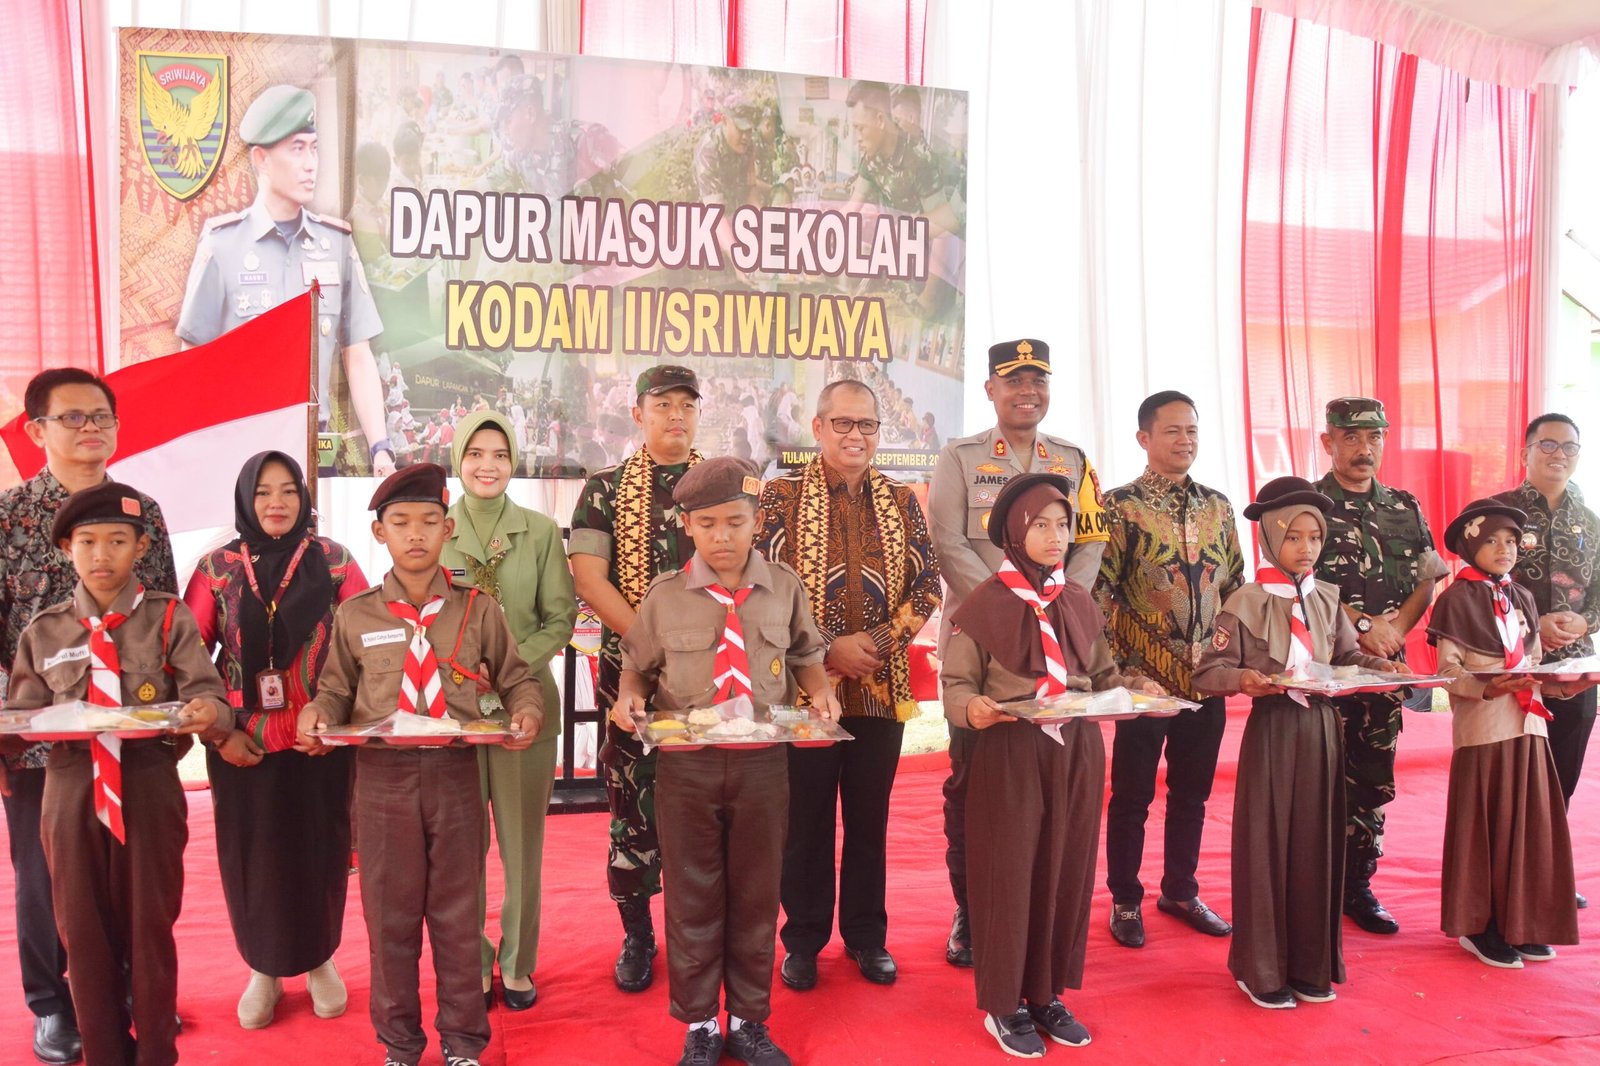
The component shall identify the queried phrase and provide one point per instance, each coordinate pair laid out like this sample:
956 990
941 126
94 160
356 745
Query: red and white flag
188 421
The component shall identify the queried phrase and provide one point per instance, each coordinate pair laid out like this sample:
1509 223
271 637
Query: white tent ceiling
1547 23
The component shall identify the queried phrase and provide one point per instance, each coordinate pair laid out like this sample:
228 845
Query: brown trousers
722 816
1033 831
419 817
116 903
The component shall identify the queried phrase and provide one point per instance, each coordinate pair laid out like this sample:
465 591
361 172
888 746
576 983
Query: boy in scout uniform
115 822
418 644
730 623
967 479
249 261
1381 556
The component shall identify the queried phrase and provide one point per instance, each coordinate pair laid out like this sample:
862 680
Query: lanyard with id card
271 688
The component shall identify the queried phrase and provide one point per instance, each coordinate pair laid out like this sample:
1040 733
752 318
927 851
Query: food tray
800 726
1110 705
72 721
1560 670
383 731
1324 682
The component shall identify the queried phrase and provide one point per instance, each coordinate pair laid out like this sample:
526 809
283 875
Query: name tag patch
253 277
67 655
384 636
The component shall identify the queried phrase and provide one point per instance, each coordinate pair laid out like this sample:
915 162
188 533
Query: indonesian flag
188 421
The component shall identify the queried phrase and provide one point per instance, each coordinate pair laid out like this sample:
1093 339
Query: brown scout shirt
360 682
970 671
52 664
674 641
1235 649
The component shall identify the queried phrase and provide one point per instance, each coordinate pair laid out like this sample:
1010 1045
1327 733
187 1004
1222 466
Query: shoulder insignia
330 221
1000 451
216 222
1219 639
1039 447
990 468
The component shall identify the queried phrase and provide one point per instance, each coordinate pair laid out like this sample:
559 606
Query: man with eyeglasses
1557 564
967 478
861 547
72 415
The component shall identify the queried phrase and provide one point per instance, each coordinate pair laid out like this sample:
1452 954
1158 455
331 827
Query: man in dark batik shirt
72 415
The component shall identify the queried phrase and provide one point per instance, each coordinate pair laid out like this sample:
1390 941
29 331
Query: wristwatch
1364 624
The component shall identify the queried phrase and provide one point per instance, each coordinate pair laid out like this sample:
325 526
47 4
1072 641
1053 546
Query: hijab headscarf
1001 623
1465 612
310 593
484 514
1278 503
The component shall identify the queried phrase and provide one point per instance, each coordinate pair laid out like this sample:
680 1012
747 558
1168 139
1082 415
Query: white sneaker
328 997
260 999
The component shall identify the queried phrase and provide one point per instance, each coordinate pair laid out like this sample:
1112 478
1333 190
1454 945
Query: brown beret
109 501
717 481
418 483
1285 491
1481 518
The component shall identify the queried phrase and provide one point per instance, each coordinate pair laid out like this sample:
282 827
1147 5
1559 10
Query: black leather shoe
799 972
958 949
1363 908
516 1000
1200 917
634 971
488 1000
752 1043
56 1039
875 964
1127 924
1583 901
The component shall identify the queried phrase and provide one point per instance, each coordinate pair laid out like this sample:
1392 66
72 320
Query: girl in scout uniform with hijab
1034 794
115 822
266 600
516 556
1507 878
1288 811
728 624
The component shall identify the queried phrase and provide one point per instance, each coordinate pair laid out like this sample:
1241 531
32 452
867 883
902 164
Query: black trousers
1191 740
44 960
1569 737
962 742
854 778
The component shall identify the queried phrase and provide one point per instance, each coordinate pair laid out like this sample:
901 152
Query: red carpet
1413 998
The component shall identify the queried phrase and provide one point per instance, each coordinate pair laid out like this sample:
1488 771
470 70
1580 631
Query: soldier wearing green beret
1381 555
249 261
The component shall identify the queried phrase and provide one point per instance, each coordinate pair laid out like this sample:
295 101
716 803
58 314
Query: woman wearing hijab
1288 811
1033 805
516 556
283 834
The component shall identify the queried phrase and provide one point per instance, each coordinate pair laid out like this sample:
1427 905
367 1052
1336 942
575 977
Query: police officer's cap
1286 492
665 378
280 111
1014 489
109 501
1356 412
720 480
1481 518
1008 357
418 483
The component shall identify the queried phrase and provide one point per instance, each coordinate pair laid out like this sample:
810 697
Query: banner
528 232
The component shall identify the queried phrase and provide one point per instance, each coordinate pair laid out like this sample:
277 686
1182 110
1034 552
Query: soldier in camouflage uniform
544 155
1380 554
626 530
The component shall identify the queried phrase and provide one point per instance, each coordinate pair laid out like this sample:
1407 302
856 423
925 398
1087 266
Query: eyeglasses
76 419
1568 448
843 426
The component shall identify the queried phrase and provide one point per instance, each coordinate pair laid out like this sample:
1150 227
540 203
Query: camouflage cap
1356 412
741 112
280 111
1008 357
720 480
665 378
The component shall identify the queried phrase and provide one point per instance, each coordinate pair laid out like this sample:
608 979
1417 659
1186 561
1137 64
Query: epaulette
328 220
216 222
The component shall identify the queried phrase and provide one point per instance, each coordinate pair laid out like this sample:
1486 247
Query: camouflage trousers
633 856
1372 724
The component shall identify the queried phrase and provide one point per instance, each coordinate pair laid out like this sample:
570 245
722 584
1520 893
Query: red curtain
49 315
1387 251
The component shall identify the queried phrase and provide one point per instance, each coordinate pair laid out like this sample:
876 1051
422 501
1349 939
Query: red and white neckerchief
1054 681
1510 629
421 690
105 690
732 666
1302 652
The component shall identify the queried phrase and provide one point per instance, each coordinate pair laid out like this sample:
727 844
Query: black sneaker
702 1047
753 1044
1312 993
1282 999
1536 952
958 949
1492 951
1016 1034
1059 1024
451 1059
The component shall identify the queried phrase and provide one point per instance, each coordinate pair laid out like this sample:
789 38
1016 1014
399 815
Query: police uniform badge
146 693
183 118
989 468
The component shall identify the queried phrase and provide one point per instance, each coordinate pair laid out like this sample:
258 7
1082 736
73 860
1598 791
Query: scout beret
418 483
109 501
1284 492
1356 412
715 481
1015 488
1008 357
665 378
280 111
1481 518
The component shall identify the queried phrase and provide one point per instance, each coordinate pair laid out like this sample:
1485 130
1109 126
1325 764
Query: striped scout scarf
105 690
421 678
732 665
